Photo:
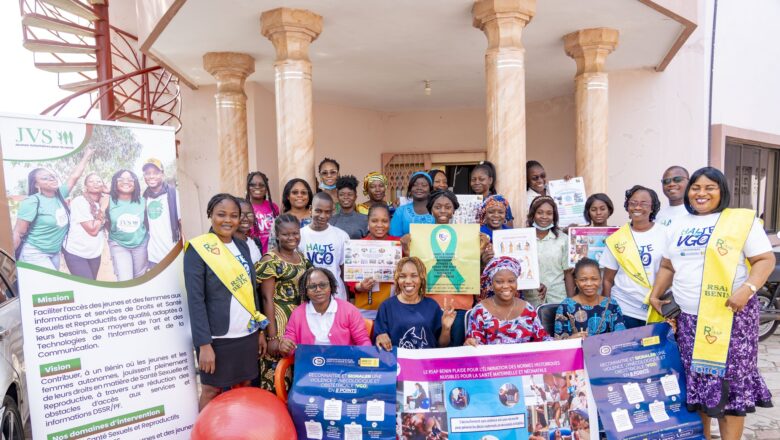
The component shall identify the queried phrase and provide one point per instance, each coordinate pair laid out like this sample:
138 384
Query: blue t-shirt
405 216
489 232
409 325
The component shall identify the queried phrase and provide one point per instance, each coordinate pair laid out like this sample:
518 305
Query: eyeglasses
329 173
247 215
675 179
636 204
316 287
539 176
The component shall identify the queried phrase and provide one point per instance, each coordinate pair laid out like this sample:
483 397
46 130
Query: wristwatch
752 287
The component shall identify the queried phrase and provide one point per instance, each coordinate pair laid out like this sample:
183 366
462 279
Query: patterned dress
489 330
572 317
286 299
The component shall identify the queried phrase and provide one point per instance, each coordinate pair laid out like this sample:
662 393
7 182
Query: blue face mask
325 187
543 228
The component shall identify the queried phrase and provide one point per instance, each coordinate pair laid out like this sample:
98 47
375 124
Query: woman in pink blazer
322 319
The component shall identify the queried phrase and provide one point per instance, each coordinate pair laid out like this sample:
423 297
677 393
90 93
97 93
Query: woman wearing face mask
492 217
502 317
419 190
86 238
329 174
483 181
587 313
553 253
634 255
409 319
296 199
370 294
265 210
128 234
42 220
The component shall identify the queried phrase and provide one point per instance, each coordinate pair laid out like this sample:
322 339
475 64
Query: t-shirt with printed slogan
668 214
127 222
686 241
409 325
630 295
326 249
239 316
159 218
51 221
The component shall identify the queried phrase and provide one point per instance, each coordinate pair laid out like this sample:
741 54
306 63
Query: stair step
75 7
66 67
53 24
79 85
131 118
57 47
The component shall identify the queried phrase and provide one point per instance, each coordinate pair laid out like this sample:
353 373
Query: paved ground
765 423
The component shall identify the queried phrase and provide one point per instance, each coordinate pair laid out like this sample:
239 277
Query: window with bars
753 172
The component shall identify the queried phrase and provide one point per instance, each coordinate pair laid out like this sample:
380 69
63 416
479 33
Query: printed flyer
639 384
468 210
96 230
343 393
519 244
530 391
371 259
570 198
588 242
451 255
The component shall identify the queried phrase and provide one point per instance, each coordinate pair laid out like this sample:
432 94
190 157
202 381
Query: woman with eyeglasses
329 174
322 318
83 249
674 180
278 273
296 199
536 181
128 232
621 280
247 223
265 210
43 217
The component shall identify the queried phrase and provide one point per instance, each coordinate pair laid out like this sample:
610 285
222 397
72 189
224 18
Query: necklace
512 309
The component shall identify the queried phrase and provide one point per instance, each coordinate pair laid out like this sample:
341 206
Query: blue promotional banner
639 386
343 392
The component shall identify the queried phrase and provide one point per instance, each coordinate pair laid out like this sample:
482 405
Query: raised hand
448 313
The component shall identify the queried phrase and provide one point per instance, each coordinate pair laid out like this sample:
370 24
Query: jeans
128 263
82 267
31 254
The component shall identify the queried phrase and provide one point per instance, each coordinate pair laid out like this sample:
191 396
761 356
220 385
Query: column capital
590 47
232 63
503 21
291 31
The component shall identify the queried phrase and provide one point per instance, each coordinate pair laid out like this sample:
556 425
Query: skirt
742 389
235 359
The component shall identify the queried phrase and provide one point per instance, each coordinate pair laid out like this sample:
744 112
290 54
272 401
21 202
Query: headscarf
374 176
494 200
491 269
424 174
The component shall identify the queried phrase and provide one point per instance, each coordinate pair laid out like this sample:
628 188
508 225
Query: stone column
231 70
589 48
503 21
291 31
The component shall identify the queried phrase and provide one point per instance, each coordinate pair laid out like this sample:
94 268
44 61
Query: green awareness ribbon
443 266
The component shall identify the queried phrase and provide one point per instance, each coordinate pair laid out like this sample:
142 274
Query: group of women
594 297
52 224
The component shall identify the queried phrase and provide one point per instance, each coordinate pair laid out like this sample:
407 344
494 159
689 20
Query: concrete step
75 7
78 85
53 24
67 67
50 46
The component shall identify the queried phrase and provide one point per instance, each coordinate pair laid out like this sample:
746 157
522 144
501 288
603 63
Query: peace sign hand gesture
448 313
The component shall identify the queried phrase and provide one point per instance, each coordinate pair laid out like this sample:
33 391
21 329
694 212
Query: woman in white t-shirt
741 388
642 205
84 245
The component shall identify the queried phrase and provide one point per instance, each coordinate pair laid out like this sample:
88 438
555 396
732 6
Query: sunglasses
675 179
539 176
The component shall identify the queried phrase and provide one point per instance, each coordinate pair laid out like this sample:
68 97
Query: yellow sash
623 247
232 274
721 258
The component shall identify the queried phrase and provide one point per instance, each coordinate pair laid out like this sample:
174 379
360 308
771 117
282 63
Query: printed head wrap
491 269
373 176
494 200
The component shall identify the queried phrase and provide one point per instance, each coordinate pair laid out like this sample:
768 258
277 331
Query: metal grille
399 168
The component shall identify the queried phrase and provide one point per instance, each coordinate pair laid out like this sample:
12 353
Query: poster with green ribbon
451 256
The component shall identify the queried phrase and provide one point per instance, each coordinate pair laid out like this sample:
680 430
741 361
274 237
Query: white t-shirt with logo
239 316
79 242
686 242
630 295
160 234
326 249
667 215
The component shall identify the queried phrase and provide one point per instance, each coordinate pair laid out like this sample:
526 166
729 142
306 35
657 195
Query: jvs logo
43 136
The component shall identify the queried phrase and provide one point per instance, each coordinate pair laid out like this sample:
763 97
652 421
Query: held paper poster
371 259
588 242
570 198
343 392
519 391
451 256
639 384
469 207
107 333
519 244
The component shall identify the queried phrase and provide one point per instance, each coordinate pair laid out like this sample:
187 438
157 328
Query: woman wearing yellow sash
717 331
223 303
634 255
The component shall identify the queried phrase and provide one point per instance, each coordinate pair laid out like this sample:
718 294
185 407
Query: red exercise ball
246 413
